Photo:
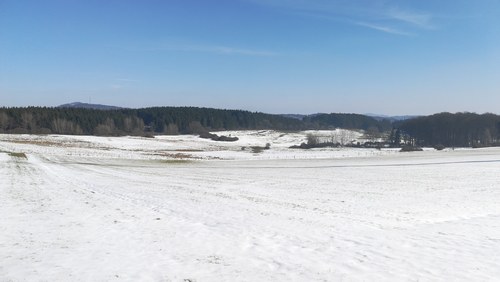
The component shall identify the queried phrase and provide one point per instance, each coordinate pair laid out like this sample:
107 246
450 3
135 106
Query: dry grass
47 143
188 150
175 155
176 161
18 155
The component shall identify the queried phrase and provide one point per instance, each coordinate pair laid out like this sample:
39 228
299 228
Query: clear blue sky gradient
277 56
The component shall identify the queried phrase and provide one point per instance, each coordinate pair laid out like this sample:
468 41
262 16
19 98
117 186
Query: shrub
411 149
257 149
439 147
215 137
312 140
227 138
208 135
260 149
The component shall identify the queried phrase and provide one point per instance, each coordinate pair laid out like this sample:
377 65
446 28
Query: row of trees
40 120
165 120
184 120
347 121
450 130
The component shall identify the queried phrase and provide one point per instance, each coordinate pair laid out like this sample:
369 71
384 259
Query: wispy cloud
230 51
384 29
381 15
421 20
215 49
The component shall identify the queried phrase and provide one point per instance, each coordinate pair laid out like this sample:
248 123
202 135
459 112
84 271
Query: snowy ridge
81 105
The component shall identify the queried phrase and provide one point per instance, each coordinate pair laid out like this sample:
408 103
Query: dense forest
444 129
449 130
160 120
348 121
166 120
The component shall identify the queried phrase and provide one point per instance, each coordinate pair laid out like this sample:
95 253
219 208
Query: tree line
165 120
444 129
158 120
450 130
347 121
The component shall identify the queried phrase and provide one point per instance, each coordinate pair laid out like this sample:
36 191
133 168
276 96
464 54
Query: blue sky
277 56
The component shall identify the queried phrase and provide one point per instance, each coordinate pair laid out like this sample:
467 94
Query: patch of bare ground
61 144
18 155
48 143
175 155
188 150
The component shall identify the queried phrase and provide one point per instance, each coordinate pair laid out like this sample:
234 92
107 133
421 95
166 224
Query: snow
179 208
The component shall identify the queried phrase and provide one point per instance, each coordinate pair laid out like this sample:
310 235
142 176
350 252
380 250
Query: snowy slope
122 209
183 146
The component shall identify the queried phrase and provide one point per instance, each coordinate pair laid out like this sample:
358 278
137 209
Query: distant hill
348 121
299 116
391 118
79 105
294 116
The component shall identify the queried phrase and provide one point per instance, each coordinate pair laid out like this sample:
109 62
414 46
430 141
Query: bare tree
27 121
312 139
346 136
63 126
132 125
4 120
372 133
105 129
171 129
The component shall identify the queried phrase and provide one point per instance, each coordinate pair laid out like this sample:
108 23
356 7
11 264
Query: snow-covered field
181 208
